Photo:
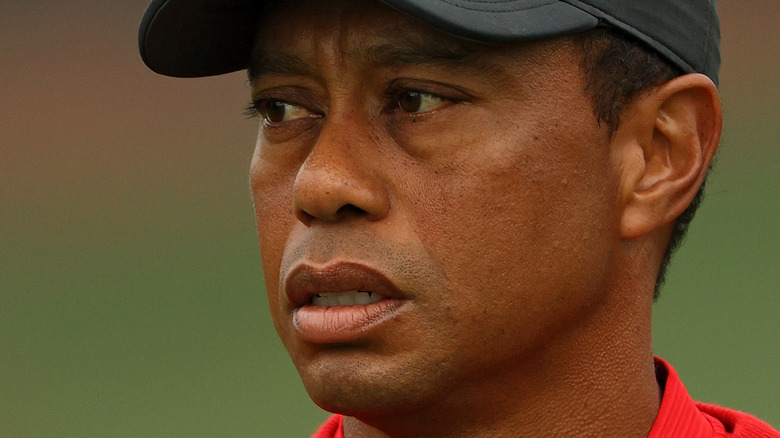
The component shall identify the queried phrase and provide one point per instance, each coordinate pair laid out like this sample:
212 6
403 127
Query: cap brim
192 38
499 22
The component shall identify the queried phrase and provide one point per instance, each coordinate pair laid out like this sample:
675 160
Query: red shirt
678 417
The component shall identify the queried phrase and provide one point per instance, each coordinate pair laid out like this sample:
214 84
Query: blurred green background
131 298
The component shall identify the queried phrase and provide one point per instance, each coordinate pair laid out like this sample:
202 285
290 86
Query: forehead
295 36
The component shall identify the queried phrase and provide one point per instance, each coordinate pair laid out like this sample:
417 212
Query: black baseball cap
192 38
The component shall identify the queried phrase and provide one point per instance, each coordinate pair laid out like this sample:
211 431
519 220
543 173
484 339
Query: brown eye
279 111
274 111
409 101
418 102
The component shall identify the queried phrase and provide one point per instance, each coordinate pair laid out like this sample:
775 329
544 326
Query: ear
665 144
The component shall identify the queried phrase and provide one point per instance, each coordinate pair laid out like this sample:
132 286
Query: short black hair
618 69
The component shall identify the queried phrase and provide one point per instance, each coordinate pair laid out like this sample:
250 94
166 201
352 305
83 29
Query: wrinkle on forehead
365 33
312 31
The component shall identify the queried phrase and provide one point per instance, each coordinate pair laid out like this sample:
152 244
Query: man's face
469 188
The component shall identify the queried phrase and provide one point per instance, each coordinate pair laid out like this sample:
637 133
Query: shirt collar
678 414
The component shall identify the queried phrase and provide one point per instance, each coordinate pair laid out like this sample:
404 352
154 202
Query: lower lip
339 324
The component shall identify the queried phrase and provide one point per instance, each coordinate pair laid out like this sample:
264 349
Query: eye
277 111
411 101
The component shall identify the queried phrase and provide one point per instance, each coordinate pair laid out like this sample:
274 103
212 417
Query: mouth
349 298
341 302
338 284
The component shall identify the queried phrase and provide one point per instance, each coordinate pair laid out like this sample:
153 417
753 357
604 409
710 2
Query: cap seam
549 2
145 40
705 60
655 44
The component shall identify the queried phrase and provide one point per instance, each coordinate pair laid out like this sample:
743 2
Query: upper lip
306 281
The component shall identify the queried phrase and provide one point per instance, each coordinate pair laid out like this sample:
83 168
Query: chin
362 389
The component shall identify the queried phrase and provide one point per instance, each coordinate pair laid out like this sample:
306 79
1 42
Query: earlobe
666 145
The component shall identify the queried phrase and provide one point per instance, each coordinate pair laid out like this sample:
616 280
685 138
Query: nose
341 177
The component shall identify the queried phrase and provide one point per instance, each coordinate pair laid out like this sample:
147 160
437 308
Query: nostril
333 193
343 212
303 216
350 210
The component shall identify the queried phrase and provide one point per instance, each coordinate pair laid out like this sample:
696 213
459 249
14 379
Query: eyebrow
401 51
429 51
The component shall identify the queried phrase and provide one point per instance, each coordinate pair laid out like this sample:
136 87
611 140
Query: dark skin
520 238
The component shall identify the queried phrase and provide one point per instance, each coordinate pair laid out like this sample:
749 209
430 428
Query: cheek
522 224
272 197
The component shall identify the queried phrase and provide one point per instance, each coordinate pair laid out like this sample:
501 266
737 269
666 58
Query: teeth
350 298
361 298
